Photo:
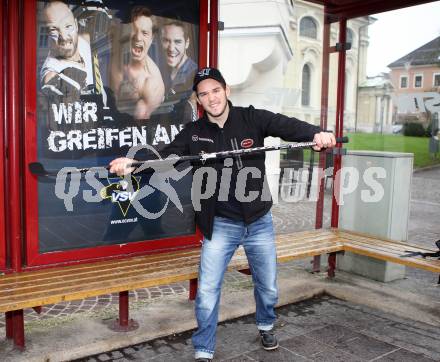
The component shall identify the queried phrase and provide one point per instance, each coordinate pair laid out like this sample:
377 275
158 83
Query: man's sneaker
268 340
203 360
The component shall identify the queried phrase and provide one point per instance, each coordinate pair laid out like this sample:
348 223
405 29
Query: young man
139 86
175 43
229 219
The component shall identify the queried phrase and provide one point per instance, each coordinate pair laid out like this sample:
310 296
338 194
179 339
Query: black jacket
244 128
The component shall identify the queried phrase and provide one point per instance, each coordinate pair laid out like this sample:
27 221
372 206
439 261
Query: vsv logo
119 192
123 196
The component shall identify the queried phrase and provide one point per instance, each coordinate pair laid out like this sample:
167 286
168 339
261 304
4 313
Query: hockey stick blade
38 169
410 254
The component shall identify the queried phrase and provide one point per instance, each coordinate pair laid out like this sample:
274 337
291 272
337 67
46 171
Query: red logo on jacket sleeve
246 143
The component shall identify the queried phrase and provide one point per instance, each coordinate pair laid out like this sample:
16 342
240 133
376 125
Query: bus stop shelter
19 108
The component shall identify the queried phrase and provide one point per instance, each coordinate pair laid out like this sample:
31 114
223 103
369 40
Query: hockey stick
38 169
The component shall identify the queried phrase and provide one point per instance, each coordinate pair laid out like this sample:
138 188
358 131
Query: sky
397 33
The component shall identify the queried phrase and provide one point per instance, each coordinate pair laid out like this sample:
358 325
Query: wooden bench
34 289
388 250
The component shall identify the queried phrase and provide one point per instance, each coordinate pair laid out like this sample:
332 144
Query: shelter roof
356 8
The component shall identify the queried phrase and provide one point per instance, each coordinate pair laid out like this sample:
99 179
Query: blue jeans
258 242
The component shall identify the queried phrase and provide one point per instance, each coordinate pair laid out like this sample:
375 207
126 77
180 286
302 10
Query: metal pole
9 325
18 328
203 41
123 308
203 34
324 114
3 24
213 34
323 123
124 323
14 137
339 117
193 288
338 131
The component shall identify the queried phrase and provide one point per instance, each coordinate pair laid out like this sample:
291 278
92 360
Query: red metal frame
323 124
14 137
15 115
3 23
342 10
193 283
339 118
203 34
9 325
338 132
18 328
324 113
33 257
350 9
15 328
123 309
213 33
203 62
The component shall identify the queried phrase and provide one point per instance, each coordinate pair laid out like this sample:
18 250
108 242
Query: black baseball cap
208 73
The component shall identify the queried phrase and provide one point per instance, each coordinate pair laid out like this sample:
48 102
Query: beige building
273 57
374 109
270 52
303 75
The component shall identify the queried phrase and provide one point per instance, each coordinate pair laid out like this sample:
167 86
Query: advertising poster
112 75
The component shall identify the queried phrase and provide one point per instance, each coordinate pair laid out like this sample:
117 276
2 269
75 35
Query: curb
426 168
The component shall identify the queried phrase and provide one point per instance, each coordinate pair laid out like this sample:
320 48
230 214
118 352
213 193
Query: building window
418 81
305 86
404 82
436 81
308 27
42 40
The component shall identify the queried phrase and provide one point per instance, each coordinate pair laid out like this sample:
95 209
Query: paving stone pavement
318 329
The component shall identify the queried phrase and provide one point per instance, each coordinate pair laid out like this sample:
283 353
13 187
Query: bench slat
353 236
90 280
95 270
430 265
397 249
297 238
56 283
78 268
96 288
388 250
113 287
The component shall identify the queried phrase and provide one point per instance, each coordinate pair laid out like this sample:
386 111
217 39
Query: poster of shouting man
101 91
138 85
